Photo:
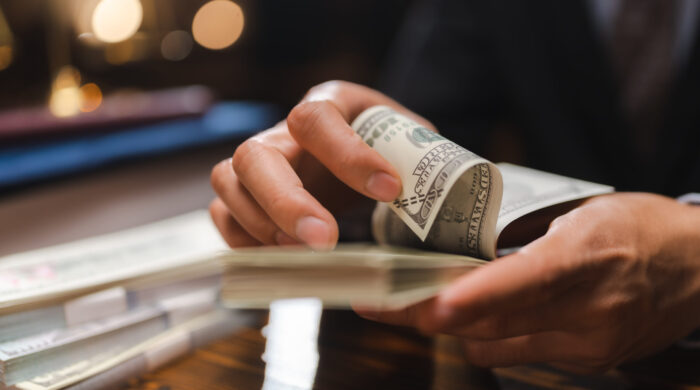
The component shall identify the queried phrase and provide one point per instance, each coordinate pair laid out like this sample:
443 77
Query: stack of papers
78 311
353 274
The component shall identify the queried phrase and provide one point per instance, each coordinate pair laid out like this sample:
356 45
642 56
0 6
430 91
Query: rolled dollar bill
450 197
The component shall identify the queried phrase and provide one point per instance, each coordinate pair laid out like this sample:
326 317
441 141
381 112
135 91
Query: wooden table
339 351
354 353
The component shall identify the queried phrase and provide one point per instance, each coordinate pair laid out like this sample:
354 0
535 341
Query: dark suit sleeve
442 68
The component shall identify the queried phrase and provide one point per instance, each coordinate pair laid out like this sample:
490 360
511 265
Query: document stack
91 312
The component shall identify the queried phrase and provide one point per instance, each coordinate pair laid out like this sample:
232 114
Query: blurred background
269 50
113 112
78 77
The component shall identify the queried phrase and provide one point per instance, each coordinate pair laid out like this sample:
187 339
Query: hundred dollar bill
450 197
526 192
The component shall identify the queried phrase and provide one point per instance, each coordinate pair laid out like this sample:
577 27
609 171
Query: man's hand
282 185
613 280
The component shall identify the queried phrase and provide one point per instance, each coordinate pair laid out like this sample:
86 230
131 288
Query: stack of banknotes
87 313
456 211
367 275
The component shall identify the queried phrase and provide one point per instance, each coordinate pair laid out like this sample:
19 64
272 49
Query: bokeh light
91 97
218 24
68 98
176 45
65 102
116 20
67 77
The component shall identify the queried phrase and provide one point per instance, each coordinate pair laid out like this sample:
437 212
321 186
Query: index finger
351 99
320 125
275 186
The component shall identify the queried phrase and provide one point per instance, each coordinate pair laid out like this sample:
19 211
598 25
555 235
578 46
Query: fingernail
383 186
314 232
281 238
367 314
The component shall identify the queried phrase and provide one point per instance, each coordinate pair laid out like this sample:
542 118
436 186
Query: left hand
615 279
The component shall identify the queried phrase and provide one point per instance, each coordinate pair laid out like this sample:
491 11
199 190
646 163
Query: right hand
282 184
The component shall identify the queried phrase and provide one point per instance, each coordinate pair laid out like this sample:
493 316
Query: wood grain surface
358 354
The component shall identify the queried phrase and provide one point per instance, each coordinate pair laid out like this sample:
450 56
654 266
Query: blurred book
117 110
31 162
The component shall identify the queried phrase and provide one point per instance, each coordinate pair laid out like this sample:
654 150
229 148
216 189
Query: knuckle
214 208
278 202
615 255
304 116
245 153
358 159
558 221
218 174
612 314
325 86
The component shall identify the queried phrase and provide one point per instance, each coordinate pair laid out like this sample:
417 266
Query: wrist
690 218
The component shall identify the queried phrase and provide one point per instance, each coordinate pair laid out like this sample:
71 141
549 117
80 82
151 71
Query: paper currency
450 196
55 328
526 190
140 358
452 199
450 204
365 274
29 357
98 305
184 245
101 339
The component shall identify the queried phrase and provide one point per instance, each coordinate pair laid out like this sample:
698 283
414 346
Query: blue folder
224 121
